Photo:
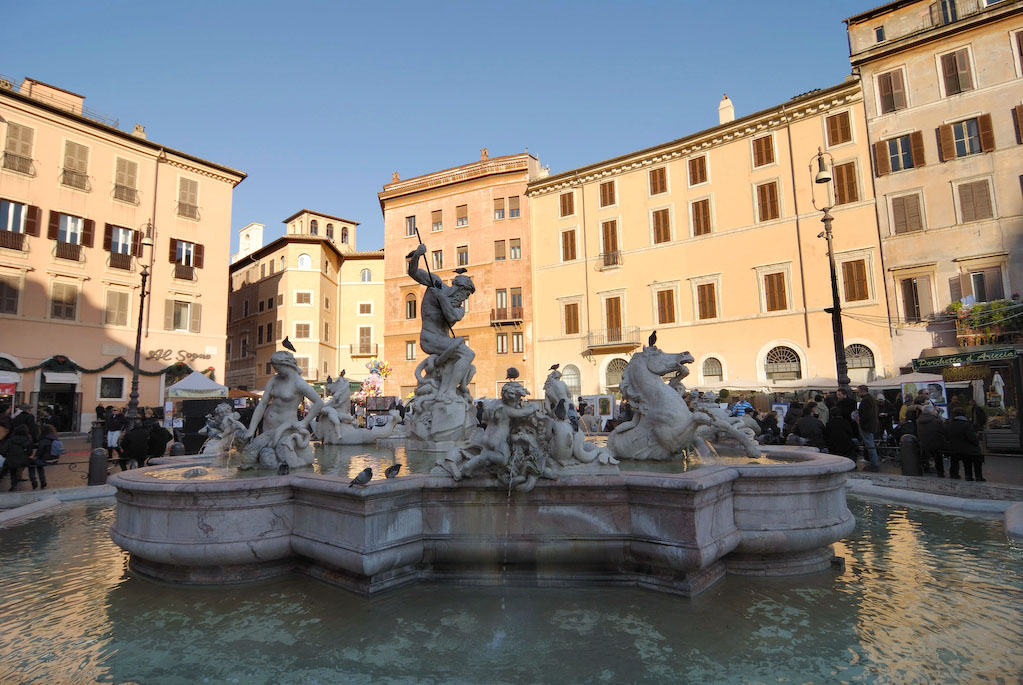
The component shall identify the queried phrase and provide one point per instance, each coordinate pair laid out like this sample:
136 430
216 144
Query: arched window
344 234
314 227
570 374
283 263
712 371
615 370
305 261
861 363
782 364
330 231
366 276
410 306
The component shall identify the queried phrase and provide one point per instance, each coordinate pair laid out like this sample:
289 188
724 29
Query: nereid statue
223 428
335 425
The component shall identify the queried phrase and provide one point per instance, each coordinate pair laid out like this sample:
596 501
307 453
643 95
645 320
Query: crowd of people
25 445
146 440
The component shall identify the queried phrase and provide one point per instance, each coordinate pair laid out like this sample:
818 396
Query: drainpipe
799 240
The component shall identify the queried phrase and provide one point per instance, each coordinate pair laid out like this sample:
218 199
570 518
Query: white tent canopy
196 386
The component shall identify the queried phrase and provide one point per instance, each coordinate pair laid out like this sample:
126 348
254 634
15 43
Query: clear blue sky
320 101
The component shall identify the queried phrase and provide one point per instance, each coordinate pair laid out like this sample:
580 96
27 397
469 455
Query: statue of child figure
222 428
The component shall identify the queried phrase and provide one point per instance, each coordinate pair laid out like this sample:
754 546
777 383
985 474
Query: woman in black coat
930 432
964 445
839 435
19 454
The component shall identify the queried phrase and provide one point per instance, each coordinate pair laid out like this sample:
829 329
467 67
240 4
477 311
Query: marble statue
444 410
662 426
284 439
222 430
334 425
554 391
722 427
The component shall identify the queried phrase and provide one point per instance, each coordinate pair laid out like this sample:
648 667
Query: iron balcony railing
184 272
363 349
69 251
505 314
75 179
188 211
126 194
23 165
610 260
120 261
12 240
622 335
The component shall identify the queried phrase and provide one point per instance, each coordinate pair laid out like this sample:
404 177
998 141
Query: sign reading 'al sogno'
168 355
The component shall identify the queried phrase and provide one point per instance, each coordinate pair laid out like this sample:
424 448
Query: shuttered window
499 251
854 280
955 72
567 201
64 302
767 201
774 291
572 319
462 215
437 220
462 255
125 180
9 293
892 91
18 149
437 257
188 198
698 170
513 207
975 201
658 181
302 330
986 285
706 296
515 248
567 246
662 226
906 216
763 150
846 189
839 130
117 308
701 217
665 306
498 209
76 157
609 236
916 298
607 193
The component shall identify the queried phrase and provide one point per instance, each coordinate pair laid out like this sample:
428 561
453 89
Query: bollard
177 450
98 467
97 434
909 455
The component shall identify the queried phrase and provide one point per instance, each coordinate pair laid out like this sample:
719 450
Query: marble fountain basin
673 532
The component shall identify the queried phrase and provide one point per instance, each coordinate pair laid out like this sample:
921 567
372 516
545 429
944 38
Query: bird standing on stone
560 411
461 270
392 471
363 478
286 344
513 373
554 367
283 469
653 339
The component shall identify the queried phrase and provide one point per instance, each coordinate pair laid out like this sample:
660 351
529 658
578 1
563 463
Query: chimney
395 177
139 131
484 155
726 110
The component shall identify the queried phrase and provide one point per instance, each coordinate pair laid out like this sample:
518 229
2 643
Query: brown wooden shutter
844 128
136 243
571 319
774 285
701 217
950 74
168 315
195 321
1018 114
108 237
955 288
946 142
53 228
848 281
923 293
662 228
88 229
898 91
882 164
707 301
173 250
613 310
198 257
914 221
963 70
967 202
832 126
993 283
567 204
32 220
898 215
916 146
610 231
884 88
845 183
987 133
909 300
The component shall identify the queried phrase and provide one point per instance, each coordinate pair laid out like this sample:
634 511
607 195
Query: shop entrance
59 404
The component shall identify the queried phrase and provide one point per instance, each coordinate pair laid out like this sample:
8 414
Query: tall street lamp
823 177
133 399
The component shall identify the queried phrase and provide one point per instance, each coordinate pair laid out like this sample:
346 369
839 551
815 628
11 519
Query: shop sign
8 388
167 355
973 372
981 356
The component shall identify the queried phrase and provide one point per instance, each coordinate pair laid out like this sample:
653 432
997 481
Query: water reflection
924 597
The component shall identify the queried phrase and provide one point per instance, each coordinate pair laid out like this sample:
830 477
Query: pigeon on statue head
286 344
652 340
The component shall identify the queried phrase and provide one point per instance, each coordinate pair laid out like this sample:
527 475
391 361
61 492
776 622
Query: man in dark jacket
810 428
963 444
24 417
158 439
869 425
839 434
931 436
134 446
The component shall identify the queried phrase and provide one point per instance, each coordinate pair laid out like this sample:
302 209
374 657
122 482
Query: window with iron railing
75 179
18 149
120 260
188 211
126 194
23 165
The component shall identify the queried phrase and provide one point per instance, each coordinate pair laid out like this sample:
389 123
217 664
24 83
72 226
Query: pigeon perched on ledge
363 478
392 471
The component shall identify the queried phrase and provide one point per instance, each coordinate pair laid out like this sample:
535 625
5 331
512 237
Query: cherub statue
222 428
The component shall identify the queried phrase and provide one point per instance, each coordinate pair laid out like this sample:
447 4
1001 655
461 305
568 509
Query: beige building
77 197
312 287
473 216
712 241
943 87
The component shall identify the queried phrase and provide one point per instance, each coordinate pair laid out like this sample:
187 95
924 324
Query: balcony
12 240
126 194
623 336
364 349
184 272
609 260
120 261
188 211
504 315
23 165
69 251
75 179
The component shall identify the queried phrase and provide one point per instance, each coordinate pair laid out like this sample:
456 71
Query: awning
60 377
196 386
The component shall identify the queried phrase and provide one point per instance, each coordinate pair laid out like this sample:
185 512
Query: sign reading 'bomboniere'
167 355
981 356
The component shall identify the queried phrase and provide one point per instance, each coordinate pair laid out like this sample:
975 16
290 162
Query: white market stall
196 386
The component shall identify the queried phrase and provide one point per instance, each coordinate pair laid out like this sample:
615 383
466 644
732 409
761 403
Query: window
410 349
437 220
570 375
516 298
188 198
897 154
712 371
861 362
854 280
302 331
185 253
326 331
615 372
437 257
125 176
698 170
839 129
410 306
121 239
70 229
499 253
609 242
975 201
117 308
607 193
279 329
245 309
9 293
662 226
280 300
324 366
891 91
572 318
245 345
513 207
985 285
18 149
568 245
567 202
365 275
344 234
303 297
365 308
774 292
658 180
326 303
330 231
314 227
365 339
955 72
462 255
613 318
283 263
906 216
782 364
767 201
516 342
111 388
706 298
259 335
502 343
410 226
763 150
501 299
262 270
846 189
186 316
879 34
227 349
665 306
701 217
270 331
498 209
515 248
13 216
76 166
305 261
462 215
303 366
269 303
916 298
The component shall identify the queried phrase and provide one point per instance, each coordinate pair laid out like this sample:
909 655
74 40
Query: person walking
47 452
964 446
19 454
116 423
25 417
869 425
931 436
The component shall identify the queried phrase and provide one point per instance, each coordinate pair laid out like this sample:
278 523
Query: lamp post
133 399
823 177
